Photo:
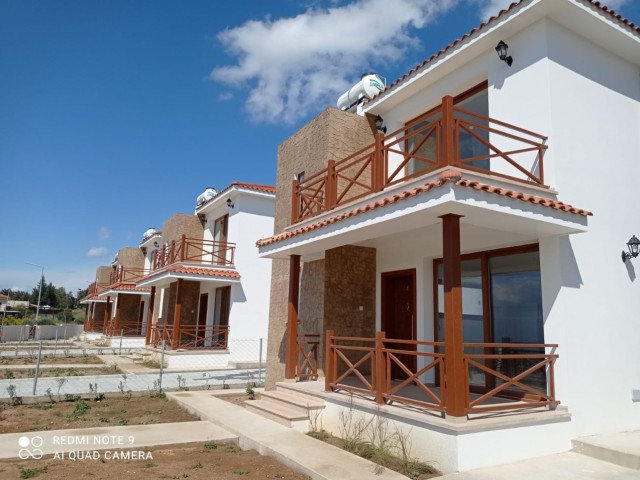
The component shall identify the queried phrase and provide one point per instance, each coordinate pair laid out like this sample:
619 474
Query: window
501 303
421 144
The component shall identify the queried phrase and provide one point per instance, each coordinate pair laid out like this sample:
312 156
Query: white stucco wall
250 219
587 101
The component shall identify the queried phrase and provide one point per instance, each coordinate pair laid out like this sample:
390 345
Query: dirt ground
193 462
111 411
75 360
79 371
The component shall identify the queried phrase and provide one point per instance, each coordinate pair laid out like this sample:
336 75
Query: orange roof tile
482 26
249 186
450 175
3 296
205 272
129 287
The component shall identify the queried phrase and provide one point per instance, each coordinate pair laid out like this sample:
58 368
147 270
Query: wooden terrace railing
190 337
450 136
307 364
126 275
524 370
365 366
206 252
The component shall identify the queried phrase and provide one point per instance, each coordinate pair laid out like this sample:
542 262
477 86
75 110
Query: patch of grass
240 472
123 422
81 408
210 446
197 465
149 465
42 406
32 472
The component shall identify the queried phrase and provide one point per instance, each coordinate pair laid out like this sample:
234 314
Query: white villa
460 272
208 288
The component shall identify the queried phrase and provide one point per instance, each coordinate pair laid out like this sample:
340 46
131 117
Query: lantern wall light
633 245
502 49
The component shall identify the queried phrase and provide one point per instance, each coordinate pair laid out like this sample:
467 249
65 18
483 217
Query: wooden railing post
455 383
331 187
182 248
152 299
177 314
329 361
380 369
448 147
378 166
292 317
295 201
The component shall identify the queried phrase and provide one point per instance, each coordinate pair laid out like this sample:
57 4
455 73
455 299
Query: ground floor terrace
189 308
436 294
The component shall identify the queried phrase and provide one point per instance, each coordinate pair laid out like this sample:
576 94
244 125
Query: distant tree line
55 297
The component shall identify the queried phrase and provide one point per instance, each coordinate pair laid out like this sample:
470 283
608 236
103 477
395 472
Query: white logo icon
35 442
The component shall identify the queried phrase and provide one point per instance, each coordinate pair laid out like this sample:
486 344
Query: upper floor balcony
95 288
447 136
191 250
126 275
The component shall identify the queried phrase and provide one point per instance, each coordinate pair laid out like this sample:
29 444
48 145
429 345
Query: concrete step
289 398
621 449
287 415
291 389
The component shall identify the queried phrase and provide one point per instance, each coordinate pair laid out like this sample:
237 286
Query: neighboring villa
95 305
436 273
208 288
125 308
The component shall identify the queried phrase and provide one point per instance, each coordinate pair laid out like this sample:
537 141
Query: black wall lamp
502 49
230 203
156 244
633 245
379 126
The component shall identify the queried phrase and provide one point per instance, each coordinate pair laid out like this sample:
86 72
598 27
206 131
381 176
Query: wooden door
399 316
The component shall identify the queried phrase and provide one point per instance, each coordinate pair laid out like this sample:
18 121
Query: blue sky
115 115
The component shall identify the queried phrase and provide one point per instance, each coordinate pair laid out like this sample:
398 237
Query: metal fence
61 370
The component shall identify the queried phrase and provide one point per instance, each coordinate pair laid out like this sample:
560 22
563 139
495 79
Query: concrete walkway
318 460
563 466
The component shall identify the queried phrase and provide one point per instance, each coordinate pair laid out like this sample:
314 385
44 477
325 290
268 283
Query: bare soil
109 412
58 360
79 371
193 462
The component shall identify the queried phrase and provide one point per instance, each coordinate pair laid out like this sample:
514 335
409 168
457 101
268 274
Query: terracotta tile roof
128 287
482 26
249 186
452 176
205 272
3 297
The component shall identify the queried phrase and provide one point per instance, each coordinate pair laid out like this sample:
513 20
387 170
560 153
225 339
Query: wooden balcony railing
190 337
307 364
126 275
450 136
96 288
517 375
207 252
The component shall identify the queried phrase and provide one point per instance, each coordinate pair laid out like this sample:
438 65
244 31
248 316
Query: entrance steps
621 449
288 407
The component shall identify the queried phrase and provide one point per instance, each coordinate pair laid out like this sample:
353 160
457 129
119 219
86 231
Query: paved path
74 385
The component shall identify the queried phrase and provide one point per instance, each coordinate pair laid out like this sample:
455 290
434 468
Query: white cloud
97 252
225 96
615 4
292 65
491 8
103 233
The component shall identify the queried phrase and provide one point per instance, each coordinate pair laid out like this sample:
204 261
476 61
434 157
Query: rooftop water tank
149 233
369 86
205 196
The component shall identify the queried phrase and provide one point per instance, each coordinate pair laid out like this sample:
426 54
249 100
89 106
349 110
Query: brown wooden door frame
203 310
409 361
